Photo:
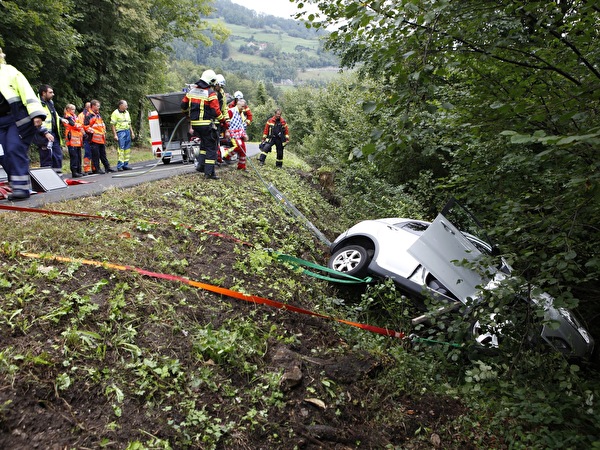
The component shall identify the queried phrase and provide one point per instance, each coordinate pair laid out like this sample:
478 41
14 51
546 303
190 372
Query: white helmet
220 79
238 94
208 76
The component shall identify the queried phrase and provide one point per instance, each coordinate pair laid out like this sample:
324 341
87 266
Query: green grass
241 35
96 357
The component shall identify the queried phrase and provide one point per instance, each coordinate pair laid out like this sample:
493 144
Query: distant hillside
263 47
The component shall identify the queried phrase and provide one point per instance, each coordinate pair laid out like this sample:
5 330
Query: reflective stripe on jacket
73 133
95 124
268 132
120 119
24 104
202 106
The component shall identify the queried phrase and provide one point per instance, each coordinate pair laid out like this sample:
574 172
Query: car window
468 224
412 227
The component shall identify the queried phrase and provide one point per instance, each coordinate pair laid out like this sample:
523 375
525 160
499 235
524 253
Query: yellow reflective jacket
24 104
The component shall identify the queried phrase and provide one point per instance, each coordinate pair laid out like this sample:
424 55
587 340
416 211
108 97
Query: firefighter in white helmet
202 106
219 87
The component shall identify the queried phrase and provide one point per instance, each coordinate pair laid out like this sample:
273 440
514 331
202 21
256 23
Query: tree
108 50
494 102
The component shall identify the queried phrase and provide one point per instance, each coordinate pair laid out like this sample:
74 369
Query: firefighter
276 133
202 106
21 117
246 112
51 154
238 133
219 87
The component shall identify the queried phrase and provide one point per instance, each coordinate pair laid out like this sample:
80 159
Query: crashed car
422 259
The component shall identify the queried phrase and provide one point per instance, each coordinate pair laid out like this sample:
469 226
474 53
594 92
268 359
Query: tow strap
218 290
340 277
117 219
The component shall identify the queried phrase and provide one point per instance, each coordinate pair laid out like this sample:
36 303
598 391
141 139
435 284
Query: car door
441 249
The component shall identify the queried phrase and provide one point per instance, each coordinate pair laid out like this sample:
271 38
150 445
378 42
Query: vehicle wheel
166 160
486 341
351 260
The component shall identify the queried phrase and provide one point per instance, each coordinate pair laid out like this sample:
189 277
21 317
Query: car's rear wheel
351 260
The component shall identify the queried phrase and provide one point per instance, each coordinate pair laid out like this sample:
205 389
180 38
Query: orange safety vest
97 127
73 133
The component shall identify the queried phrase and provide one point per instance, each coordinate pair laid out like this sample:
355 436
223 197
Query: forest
496 104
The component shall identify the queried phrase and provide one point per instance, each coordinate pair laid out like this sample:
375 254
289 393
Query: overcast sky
280 8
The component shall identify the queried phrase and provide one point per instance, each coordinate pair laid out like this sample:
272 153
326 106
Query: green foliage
496 105
107 50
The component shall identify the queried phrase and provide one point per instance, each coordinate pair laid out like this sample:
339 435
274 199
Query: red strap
221 291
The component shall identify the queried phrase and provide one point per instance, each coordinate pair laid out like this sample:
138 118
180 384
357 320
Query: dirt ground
328 397
38 415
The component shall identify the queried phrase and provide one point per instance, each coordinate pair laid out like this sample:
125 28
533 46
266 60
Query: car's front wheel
351 260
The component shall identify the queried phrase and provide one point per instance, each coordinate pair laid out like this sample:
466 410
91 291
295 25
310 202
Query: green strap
341 277
433 341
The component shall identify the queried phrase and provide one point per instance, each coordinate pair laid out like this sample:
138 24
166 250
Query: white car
421 257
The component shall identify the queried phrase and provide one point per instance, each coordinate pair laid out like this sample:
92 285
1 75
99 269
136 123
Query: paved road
100 183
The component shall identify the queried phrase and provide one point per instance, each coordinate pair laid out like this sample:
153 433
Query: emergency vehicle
169 128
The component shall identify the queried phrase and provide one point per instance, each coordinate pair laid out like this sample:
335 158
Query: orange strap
219 290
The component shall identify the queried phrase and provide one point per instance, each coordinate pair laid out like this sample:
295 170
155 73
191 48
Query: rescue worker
276 133
220 90
202 106
120 120
74 140
51 154
238 133
87 151
219 87
21 118
94 125
246 112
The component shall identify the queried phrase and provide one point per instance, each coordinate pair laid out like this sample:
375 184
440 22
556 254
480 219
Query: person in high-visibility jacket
21 118
87 150
219 87
74 140
276 133
120 120
94 125
202 106
51 154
